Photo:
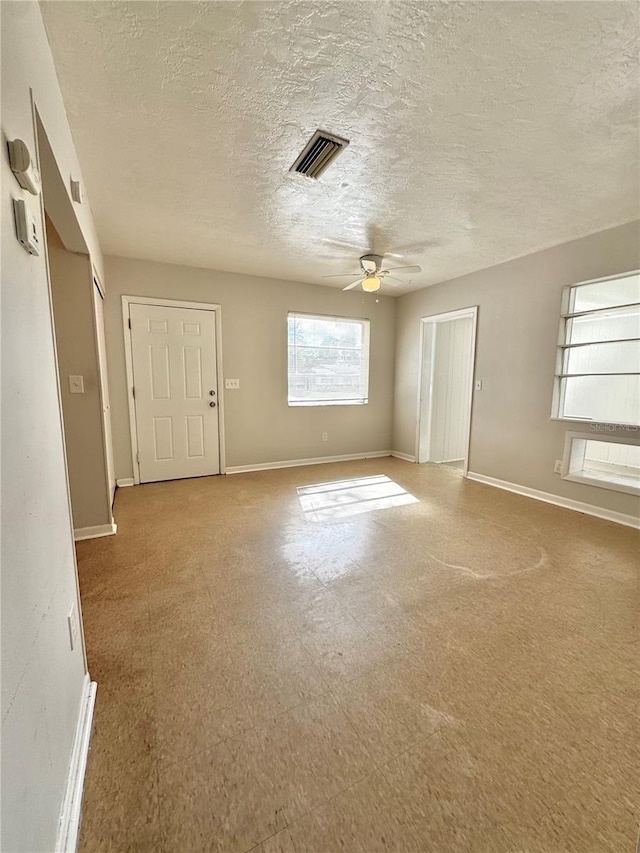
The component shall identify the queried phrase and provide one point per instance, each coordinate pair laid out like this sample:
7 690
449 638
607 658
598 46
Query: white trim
296 463
406 456
99 283
97 303
602 483
445 317
421 380
95 532
39 131
126 481
69 827
579 476
556 500
559 388
611 426
605 278
365 356
222 447
170 303
128 357
128 360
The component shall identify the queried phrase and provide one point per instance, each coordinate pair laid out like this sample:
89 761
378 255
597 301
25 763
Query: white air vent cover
318 153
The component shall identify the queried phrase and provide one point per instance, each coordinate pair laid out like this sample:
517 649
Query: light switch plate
478 384
76 384
232 384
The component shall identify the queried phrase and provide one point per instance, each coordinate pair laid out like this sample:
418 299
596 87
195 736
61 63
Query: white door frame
109 467
471 311
128 355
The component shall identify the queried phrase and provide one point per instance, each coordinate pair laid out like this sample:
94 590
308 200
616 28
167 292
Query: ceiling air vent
318 153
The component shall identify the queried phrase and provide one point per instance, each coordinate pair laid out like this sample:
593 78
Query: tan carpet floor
406 662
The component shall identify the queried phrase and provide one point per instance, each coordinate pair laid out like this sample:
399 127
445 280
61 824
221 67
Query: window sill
617 475
316 403
598 426
608 481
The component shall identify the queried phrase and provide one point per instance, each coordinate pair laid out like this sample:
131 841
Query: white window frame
574 456
366 349
563 345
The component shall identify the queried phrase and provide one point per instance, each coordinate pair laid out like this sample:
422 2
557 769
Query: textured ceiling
479 131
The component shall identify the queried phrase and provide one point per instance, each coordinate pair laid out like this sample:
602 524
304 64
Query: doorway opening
76 302
448 343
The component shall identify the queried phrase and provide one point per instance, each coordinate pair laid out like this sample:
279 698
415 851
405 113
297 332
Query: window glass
598 370
604 294
328 360
604 399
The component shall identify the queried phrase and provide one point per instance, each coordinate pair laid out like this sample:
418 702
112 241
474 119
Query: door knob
212 393
212 404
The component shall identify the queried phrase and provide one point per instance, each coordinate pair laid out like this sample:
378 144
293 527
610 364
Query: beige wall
72 292
259 425
512 436
42 678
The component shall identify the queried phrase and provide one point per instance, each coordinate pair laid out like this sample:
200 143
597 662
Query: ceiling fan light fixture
371 283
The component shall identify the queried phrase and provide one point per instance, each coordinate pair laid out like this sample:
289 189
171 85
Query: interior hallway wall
72 292
42 678
513 437
259 425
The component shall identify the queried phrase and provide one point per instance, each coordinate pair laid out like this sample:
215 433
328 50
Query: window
598 367
612 463
328 361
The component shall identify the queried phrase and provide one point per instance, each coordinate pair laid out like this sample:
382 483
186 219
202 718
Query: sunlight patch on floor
328 501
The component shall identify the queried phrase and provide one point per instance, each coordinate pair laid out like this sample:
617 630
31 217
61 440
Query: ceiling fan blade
353 284
341 275
404 269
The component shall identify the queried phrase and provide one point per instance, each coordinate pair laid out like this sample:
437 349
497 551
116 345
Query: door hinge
129 322
133 391
138 458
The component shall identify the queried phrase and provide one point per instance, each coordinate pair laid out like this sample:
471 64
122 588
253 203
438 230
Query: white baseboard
406 456
567 503
296 463
126 481
94 532
69 828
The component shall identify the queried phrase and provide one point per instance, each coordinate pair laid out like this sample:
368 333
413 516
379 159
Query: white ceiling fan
372 274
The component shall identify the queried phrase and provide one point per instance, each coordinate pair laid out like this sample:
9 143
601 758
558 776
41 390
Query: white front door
176 391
